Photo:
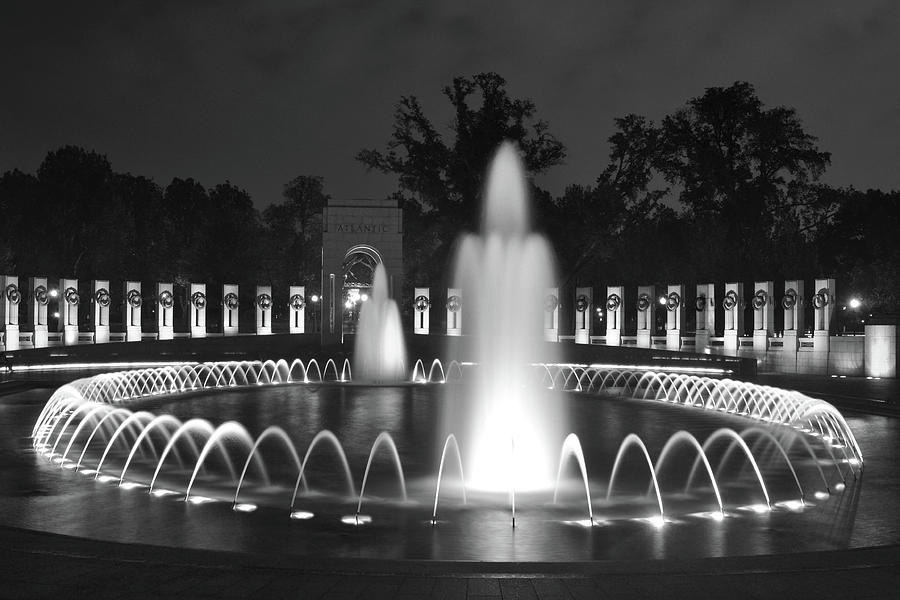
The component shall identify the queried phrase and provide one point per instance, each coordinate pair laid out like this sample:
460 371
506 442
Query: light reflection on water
35 494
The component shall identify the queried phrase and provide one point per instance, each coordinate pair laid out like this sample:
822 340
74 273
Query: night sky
259 92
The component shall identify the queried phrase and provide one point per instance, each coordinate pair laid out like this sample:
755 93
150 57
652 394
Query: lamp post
315 312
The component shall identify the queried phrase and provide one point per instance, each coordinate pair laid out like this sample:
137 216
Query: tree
441 178
750 168
294 232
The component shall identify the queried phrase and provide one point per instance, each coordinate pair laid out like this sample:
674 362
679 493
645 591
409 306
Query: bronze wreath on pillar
102 297
760 299
134 299
264 301
643 302
297 302
582 303
166 299
550 303
822 298
673 301
789 300
613 302
71 296
700 303
231 301
13 295
730 300
41 296
454 303
421 303
198 299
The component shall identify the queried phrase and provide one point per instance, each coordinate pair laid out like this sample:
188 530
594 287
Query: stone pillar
733 303
454 311
165 311
230 309
792 303
823 311
9 310
68 310
197 311
763 315
264 310
615 314
551 315
646 315
583 320
132 309
37 311
674 316
881 350
705 306
297 308
422 314
102 299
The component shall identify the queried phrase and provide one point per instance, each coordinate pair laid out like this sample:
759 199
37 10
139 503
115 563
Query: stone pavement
43 565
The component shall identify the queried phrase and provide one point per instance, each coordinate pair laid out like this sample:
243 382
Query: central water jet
511 428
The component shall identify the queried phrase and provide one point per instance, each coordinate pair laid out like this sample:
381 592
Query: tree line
724 187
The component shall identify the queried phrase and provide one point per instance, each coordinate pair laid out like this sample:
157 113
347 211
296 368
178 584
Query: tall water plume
512 430
380 351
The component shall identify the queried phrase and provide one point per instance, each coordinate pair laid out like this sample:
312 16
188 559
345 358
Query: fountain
460 446
511 431
380 352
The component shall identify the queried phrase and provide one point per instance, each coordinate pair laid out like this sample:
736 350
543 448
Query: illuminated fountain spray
380 352
512 430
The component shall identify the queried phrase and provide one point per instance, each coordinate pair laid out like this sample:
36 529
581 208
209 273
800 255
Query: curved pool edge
38 563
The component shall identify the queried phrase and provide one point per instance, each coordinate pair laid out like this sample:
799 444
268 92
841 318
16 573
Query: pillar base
701 341
12 337
760 341
41 338
582 336
673 339
198 332
263 331
101 334
643 339
166 333
551 335
70 335
731 342
228 331
133 334
613 337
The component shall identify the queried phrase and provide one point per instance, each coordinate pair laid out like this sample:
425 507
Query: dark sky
259 92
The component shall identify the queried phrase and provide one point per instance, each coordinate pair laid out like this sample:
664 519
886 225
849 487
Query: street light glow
855 303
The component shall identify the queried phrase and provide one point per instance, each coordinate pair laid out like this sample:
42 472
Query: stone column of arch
584 300
646 315
9 311
132 309
792 304
733 303
297 308
263 310
422 311
454 311
705 307
69 300
102 300
823 303
763 315
38 303
230 309
674 316
615 314
551 314
165 310
197 305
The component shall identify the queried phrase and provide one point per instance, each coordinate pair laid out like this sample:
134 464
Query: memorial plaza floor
36 564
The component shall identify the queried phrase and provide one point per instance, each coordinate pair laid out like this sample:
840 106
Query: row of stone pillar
38 294
734 300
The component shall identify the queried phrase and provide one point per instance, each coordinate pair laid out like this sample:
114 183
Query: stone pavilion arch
357 235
